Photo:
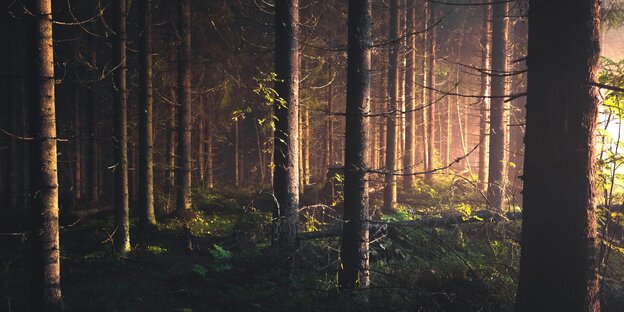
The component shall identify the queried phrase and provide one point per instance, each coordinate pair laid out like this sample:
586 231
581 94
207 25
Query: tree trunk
390 191
46 274
409 159
77 183
484 105
558 266
306 146
13 161
171 144
286 153
120 136
354 249
236 155
201 144
330 126
185 160
209 156
93 185
449 132
421 47
496 174
146 132
430 60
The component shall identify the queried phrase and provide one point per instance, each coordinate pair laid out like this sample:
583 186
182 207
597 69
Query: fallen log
377 225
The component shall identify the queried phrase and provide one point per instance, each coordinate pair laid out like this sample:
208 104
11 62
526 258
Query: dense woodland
310 155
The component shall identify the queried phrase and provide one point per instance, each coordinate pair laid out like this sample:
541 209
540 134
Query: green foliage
156 250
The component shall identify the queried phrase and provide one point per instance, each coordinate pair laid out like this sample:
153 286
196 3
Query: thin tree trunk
201 144
354 252
46 273
558 266
409 159
120 136
236 155
496 173
209 156
77 146
286 153
431 84
449 132
13 160
92 122
146 131
421 51
484 105
185 160
390 191
330 126
171 144
306 146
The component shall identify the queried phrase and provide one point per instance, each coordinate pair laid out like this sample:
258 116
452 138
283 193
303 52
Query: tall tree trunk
184 157
201 144
13 161
484 105
306 145
354 249
209 157
330 126
496 174
93 185
286 153
390 191
236 154
421 50
449 132
558 266
146 125
46 273
409 159
430 60
120 136
77 183
171 144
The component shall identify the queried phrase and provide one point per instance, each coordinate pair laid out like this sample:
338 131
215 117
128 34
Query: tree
46 273
430 78
120 128
409 160
286 133
354 249
146 144
390 191
484 104
498 127
184 157
558 266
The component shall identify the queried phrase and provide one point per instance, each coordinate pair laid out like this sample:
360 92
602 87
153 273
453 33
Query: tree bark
498 127
286 153
484 105
93 185
120 136
46 274
409 159
77 183
354 249
146 131
430 119
184 157
558 266
390 191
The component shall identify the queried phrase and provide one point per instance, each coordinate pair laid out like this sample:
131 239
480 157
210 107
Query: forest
312 155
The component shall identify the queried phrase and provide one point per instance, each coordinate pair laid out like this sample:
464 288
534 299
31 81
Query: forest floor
464 266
